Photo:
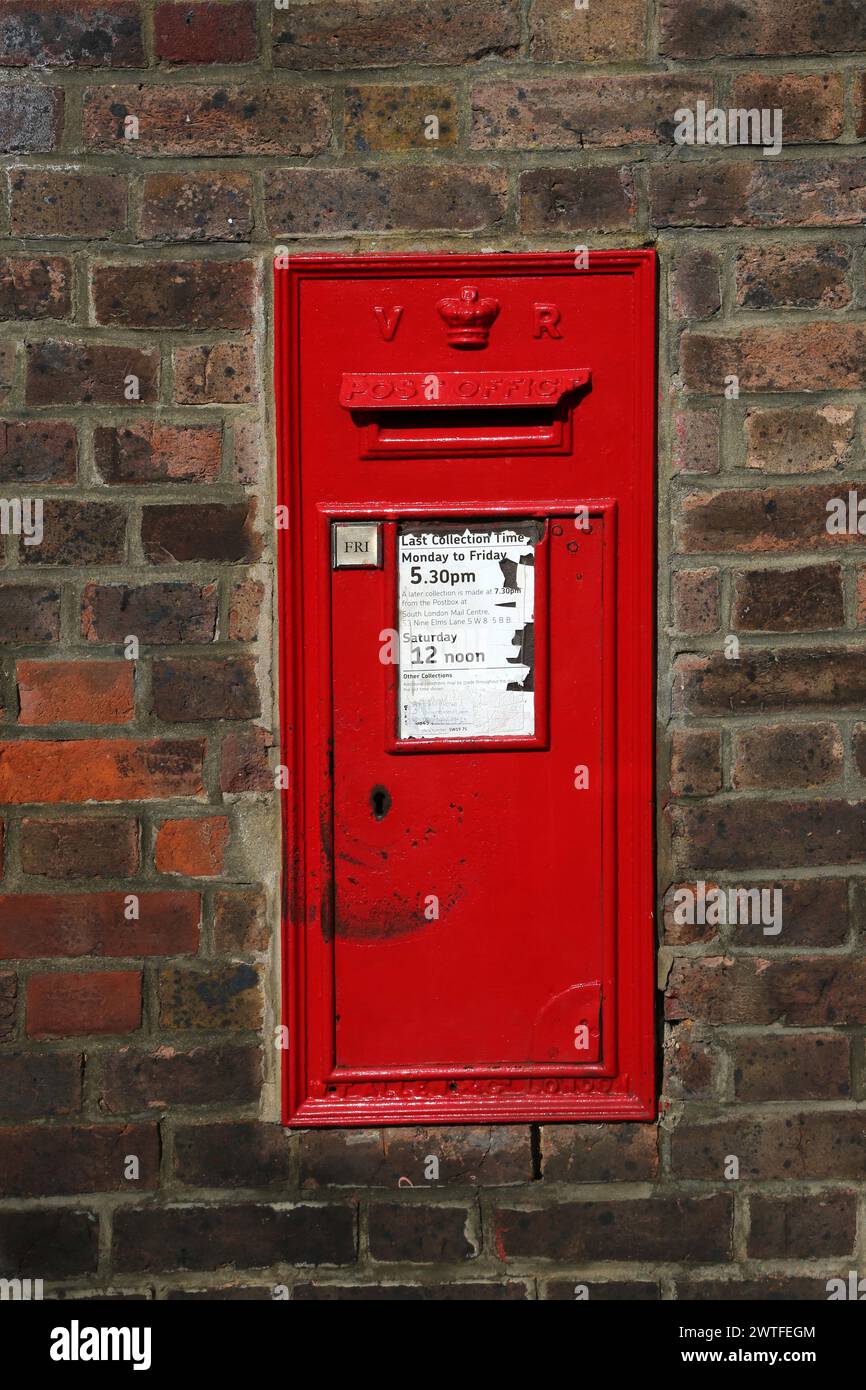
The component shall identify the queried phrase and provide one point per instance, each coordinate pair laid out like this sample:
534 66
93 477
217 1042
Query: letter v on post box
466 605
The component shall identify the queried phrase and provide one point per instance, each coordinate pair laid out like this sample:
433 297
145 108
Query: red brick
179 294
814 356
197 207
194 848
374 33
323 202
61 373
36 925
219 120
696 598
75 692
613 33
79 33
695 444
245 604
55 1160
38 451
96 1002
31 118
106 847
205 33
59 203
152 451
35 287
240 921
244 761
568 114
100 770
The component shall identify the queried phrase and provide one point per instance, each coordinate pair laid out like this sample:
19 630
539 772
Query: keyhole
380 801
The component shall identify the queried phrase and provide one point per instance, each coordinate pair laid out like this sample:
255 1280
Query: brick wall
156 154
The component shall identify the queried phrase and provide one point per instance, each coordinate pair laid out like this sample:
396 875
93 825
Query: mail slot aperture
466 612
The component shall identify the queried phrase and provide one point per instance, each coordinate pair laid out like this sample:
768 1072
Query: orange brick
100 770
193 847
76 692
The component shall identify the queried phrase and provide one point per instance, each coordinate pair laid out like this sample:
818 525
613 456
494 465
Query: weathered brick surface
158 150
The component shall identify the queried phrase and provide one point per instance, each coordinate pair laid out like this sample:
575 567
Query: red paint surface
545 891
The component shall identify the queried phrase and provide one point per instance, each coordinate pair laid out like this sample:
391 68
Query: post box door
467 925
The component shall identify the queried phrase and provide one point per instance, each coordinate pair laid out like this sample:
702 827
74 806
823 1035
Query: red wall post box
467 608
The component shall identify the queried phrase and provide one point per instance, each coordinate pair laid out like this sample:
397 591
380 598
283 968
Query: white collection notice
467 609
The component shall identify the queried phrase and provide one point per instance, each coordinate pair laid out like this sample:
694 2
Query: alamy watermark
736 126
718 907
22 516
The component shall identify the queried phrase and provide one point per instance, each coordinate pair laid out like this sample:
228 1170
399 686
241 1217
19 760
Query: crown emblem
468 318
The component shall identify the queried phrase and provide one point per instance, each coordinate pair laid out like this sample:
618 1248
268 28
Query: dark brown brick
802 992
200 531
205 688
244 1153
806 599
225 996
61 373
491 1156
245 606
157 614
219 120
35 287
695 290
151 451
599 1153
801 27
166 1076
769 834
814 1066
54 1160
59 203
696 597
224 373
646 1228
240 921
245 761
600 1291
249 1236
106 847
812 103
811 1146
801 277
690 1064
72 33
794 193
769 681
696 763
35 1084
455 1291
31 118
771 1288
104 1001
205 33
192 206
419 1234
38 451
54 1243
321 202
786 755
29 613
8 1003
78 533
567 114
565 200
179 294
812 356
323 35
772 519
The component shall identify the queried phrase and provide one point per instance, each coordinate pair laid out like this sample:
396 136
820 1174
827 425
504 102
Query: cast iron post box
466 614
